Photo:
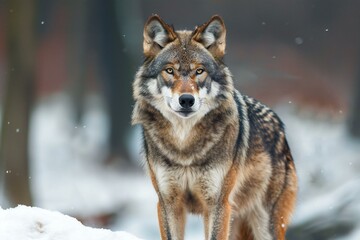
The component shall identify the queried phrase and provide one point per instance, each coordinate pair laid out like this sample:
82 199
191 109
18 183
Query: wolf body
209 149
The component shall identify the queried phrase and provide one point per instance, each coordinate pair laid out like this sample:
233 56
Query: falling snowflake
299 40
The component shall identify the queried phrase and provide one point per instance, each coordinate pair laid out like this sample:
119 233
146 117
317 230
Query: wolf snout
186 101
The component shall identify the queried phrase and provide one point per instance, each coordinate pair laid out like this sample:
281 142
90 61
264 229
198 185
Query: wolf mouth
185 113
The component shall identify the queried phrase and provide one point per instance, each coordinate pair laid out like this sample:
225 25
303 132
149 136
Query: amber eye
170 71
199 71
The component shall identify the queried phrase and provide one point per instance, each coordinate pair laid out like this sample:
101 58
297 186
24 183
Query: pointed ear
157 34
212 35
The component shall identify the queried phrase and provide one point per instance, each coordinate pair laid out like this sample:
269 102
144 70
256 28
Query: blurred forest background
66 69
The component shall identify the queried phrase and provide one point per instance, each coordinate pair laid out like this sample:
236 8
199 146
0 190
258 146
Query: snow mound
30 223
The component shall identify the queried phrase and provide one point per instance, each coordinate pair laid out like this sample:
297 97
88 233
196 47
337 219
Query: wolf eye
199 71
170 71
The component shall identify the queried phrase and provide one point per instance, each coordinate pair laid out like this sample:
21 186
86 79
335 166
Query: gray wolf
209 149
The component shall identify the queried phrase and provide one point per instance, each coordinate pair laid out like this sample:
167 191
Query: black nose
186 101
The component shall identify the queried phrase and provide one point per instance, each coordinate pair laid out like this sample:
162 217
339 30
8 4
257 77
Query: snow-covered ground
30 223
67 174
328 167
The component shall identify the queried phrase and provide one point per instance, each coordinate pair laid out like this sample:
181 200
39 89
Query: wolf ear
212 35
157 34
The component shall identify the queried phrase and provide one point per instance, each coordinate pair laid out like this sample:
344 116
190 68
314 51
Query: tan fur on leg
285 205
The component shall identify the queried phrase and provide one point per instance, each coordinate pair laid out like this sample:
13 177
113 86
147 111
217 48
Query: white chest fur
188 178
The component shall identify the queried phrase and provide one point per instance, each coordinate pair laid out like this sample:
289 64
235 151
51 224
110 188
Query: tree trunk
77 52
116 75
17 102
354 119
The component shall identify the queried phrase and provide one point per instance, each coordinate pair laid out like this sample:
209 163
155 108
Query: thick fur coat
209 149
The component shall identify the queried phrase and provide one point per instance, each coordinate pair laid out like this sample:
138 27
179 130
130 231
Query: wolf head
183 75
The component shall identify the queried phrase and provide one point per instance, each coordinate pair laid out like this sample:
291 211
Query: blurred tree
18 100
354 119
116 73
77 54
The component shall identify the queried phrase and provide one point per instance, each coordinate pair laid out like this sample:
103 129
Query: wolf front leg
217 216
171 218
171 211
217 222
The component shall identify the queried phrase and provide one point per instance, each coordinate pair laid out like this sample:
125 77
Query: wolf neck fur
182 127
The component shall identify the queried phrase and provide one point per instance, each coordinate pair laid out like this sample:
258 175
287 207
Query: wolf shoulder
266 129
